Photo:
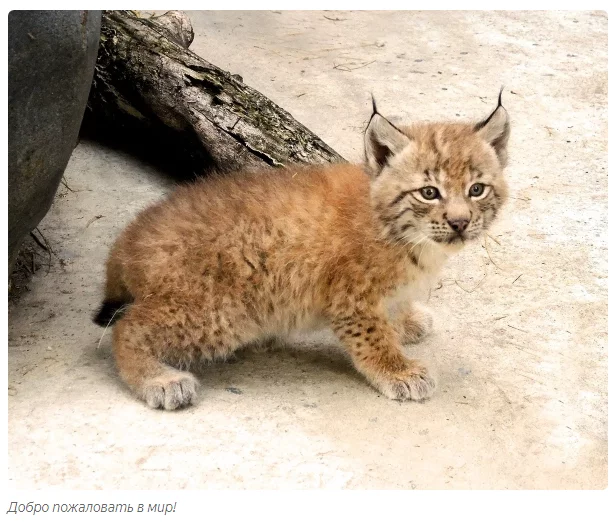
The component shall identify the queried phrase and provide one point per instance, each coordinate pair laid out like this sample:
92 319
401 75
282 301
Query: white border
497 508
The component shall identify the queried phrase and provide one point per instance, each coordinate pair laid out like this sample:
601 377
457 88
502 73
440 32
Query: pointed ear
383 140
495 129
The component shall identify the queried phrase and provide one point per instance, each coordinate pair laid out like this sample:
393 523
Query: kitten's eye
429 193
476 190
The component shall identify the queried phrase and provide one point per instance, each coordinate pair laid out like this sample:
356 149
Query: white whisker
421 251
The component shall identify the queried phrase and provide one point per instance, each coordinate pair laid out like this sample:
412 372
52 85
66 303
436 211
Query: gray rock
51 64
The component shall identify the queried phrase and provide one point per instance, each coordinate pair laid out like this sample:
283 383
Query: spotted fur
228 261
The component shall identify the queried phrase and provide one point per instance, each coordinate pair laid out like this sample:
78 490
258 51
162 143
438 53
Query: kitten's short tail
110 312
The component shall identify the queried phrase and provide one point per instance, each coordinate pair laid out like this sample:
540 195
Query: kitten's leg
376 352
412 322
151 336
159 333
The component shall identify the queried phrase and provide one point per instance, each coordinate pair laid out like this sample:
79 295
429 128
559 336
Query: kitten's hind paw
171 390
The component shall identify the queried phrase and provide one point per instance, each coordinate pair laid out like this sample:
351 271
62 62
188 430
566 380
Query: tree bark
149 87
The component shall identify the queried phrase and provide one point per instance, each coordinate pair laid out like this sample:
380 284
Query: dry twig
470 290
93 220
63 181
342 67
489 256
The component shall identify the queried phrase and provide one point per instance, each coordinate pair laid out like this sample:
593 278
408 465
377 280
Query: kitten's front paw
413 383
414 325
170 391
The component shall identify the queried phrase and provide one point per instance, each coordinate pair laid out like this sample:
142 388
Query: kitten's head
441 182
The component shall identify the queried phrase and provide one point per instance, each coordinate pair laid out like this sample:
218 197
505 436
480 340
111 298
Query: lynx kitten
231 260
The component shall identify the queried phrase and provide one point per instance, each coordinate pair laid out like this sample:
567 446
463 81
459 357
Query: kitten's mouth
459 237
455 238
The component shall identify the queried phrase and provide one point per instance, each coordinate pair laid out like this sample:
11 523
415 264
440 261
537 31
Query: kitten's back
299 212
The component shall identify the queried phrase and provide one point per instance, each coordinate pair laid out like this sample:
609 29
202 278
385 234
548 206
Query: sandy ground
520 335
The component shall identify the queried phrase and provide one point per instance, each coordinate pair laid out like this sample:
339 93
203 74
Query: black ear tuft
383 141
499 103
483 123
374 105
495 129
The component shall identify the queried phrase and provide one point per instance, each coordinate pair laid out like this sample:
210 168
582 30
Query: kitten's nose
458 225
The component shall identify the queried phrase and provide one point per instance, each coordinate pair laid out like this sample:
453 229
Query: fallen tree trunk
148 86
